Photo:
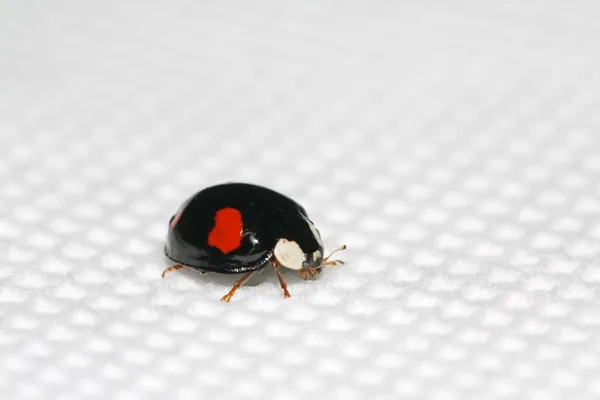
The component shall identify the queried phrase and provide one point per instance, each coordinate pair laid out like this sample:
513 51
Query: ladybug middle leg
237 285
286 294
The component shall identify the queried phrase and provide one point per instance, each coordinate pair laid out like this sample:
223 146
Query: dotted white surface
453 146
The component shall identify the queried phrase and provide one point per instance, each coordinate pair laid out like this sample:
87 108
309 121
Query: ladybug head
304 251
289 254
305 254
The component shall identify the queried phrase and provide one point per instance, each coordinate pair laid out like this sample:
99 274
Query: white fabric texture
453 146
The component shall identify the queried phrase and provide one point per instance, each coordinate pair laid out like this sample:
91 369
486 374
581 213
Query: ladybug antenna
327 263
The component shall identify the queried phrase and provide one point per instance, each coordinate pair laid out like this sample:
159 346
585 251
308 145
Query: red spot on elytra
227 232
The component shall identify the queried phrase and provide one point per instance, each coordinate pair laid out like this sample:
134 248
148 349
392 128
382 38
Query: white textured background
454 147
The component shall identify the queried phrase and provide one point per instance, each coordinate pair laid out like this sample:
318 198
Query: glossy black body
267 217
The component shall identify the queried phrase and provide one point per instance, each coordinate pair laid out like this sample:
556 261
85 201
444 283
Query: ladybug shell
233 228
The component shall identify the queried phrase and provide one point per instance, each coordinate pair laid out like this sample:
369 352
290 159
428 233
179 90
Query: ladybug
239 228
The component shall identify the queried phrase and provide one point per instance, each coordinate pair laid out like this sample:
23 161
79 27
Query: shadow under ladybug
238 228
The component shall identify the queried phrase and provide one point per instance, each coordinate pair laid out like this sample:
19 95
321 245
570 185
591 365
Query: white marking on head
289 254
316 256
315 232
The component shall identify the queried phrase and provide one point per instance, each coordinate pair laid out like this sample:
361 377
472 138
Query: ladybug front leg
332 263
312 271
304 274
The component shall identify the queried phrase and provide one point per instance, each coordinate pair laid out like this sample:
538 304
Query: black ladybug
241 228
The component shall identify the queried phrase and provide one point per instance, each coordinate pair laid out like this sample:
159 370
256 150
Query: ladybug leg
237 285
312 271
286 294
173 268
332 263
